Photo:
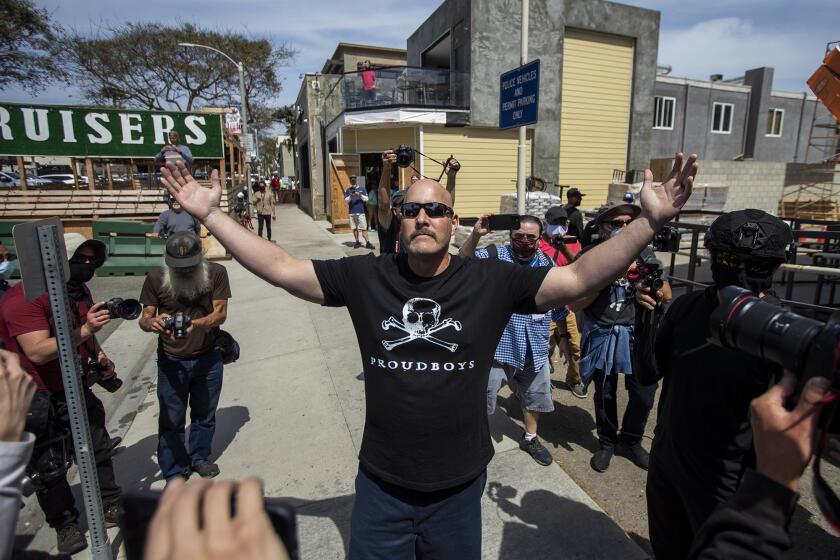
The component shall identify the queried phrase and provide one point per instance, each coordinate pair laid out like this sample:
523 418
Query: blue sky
697 38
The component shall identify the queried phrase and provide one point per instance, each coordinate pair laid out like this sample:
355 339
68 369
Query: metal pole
243 99
68 358
520 151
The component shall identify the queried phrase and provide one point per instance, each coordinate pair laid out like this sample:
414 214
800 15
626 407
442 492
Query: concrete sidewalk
292 411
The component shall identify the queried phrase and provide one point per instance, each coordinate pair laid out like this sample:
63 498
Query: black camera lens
405 155
746 323
120 308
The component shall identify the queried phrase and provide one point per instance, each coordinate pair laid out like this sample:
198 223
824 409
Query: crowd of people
440 337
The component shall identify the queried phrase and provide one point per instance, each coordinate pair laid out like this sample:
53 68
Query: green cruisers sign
39 130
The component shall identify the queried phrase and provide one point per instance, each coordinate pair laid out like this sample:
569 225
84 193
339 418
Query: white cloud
732 45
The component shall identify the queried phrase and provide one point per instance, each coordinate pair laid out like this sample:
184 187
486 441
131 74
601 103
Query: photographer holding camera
562 248
607 346
388 215
703 440
26 328
184 303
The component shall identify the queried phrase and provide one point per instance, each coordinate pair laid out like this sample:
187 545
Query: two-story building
738 118
598 67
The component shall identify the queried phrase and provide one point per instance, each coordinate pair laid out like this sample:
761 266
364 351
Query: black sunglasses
618 223
9 257
433 209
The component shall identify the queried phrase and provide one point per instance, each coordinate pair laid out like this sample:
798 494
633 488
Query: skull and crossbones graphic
420 320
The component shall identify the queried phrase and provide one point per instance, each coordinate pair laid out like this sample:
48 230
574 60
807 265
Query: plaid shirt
525 336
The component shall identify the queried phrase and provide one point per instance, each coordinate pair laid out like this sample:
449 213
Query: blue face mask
6 269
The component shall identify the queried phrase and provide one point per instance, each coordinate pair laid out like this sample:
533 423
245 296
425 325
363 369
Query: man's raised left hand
661 204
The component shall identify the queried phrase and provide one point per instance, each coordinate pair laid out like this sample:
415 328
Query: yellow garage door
595 110
488 164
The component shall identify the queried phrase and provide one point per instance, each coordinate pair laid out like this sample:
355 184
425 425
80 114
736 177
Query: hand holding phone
207 520
501 222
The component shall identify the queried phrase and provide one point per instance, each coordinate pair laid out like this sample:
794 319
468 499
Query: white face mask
6 269
556 230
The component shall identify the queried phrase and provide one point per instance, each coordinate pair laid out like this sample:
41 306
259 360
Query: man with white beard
189 366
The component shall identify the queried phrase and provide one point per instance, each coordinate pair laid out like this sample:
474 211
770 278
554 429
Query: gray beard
188 287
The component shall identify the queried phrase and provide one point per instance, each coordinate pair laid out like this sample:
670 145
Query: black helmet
750 232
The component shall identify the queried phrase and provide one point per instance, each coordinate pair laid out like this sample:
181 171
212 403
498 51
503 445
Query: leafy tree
27 36
141 65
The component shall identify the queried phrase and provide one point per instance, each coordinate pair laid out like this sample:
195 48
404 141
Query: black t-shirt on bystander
427 346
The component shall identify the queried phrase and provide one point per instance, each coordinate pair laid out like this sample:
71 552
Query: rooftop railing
398 86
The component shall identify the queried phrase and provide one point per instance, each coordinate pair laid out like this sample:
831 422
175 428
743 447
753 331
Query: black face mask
724 276
81 272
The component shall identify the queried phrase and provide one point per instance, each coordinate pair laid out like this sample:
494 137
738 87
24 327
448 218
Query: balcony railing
398 86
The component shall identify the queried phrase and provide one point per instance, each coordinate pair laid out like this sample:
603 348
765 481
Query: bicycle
245 219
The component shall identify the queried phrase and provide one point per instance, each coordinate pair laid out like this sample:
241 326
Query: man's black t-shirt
427 346
388 237
703 435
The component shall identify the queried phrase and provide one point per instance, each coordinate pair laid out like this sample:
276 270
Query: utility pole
520 151
243 99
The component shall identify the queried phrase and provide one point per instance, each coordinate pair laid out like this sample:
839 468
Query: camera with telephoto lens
120 308
667 240
405 155
807 347
648 272
178 324
93 376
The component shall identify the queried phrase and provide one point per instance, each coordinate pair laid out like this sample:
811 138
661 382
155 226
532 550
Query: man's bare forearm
264 258
597 267
384 197
468 247
450 186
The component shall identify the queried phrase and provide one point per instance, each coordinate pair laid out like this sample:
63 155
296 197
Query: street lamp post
243 112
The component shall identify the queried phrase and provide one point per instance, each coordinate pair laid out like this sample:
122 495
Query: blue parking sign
519 96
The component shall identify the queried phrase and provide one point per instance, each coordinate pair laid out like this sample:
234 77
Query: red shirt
18 316
555 254
368 79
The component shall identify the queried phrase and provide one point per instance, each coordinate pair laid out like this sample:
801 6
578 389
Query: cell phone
499 222
139 506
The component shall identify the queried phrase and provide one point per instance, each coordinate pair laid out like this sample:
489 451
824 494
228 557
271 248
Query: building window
722 118
663 112
775 118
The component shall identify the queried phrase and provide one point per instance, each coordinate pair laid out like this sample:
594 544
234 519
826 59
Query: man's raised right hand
389 158
197 200
482 226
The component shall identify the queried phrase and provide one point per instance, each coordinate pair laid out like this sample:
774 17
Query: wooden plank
110 176
90 175
75 173
22 172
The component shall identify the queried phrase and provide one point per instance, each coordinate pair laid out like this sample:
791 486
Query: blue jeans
394 523
181 381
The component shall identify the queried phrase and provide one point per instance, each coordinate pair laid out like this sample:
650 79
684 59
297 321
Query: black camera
759 328
648 273
93 376
178 324
405 155
120 308
667 240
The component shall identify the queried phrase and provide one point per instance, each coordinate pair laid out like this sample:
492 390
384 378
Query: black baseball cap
574 191
183 250
555 213
352 177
